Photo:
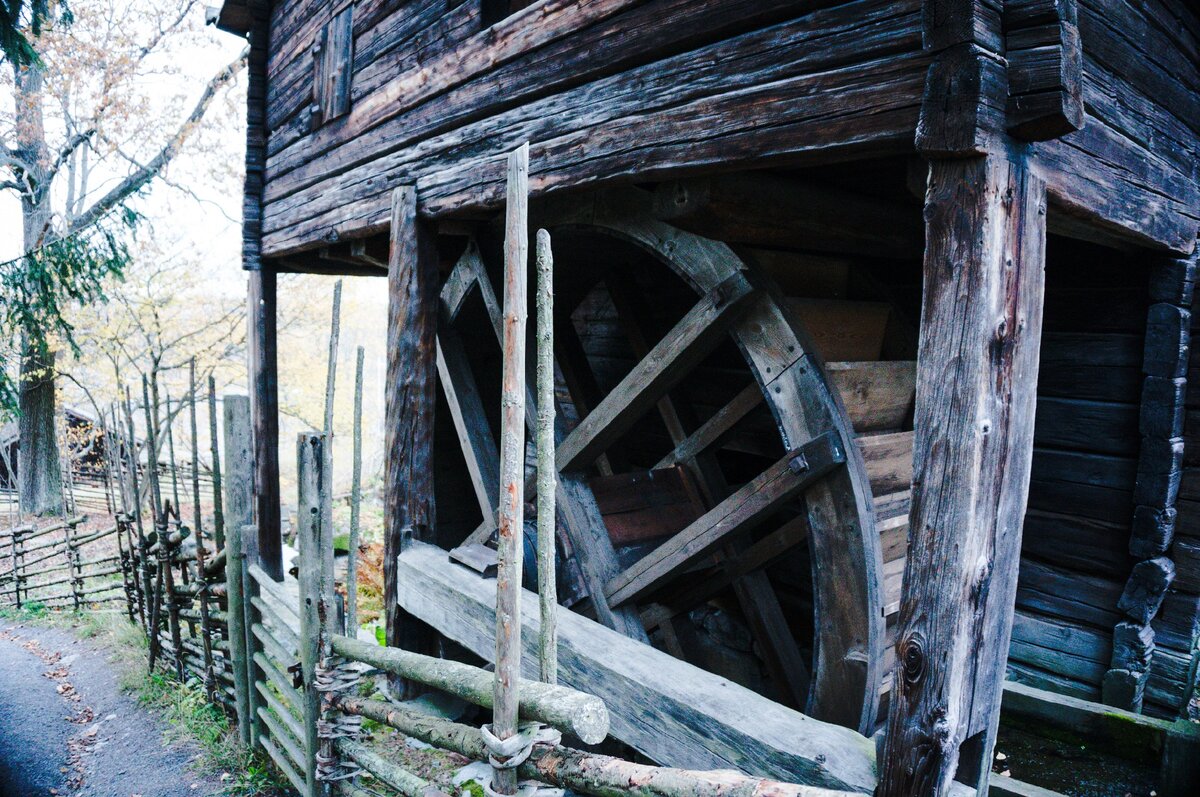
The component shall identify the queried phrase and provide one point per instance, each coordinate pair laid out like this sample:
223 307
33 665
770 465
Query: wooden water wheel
722 448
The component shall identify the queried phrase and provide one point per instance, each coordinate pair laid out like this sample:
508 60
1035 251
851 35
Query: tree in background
84 133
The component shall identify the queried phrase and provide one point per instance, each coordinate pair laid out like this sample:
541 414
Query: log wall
627 90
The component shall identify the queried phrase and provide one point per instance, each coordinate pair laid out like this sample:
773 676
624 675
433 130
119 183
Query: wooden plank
1099 426
877 396
645 505
672 358
889 461
977 374
1045 69
672 712
735 515
842 330
409 399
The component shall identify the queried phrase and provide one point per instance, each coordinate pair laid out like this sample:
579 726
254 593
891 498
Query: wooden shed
872 341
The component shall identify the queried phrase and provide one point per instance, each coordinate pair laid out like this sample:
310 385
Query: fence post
315 540
74 570
18 564
251 616
239 498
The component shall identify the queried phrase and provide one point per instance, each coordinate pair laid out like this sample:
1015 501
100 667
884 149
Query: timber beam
773 210
973 445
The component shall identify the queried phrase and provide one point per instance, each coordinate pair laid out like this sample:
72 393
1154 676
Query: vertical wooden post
409 407
264 375
174 469
142 558
218 503
547 473
250 616
239 503
976 394
195 452
18 561
510 544
315 539
73 567
355 503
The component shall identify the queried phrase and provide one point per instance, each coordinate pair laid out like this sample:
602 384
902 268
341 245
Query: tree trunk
39 472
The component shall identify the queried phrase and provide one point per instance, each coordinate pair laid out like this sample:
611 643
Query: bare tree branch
145 174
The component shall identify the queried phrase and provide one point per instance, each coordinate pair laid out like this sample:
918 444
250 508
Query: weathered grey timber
316 588
265 409
589 773
355 499
239 508
568 710
409 401
674 713
977 367
547 558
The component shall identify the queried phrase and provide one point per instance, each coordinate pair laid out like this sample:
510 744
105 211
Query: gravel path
66 728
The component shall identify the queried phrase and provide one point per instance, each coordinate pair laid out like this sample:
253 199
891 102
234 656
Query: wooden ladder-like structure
784 448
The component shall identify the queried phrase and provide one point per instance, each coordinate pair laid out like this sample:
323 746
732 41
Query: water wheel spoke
738 513
671 359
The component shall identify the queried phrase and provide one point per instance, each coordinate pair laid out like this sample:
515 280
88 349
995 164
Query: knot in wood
912 658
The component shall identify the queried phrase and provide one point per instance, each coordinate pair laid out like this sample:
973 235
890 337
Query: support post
264 376
409 408
239 502
976 394
218 504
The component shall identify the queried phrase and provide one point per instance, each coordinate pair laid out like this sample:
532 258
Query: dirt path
67 729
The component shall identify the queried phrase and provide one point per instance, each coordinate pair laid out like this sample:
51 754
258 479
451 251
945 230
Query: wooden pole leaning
131 457
510 545
239 503
547 473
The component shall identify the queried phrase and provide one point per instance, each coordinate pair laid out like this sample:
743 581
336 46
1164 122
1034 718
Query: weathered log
546 471
510 544
1147 586
589 773
564 708
218 496
385 771
1133 646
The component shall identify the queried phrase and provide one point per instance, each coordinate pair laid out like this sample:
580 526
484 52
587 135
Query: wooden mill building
872 340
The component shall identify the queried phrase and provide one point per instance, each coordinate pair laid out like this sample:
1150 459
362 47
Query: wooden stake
355 502
171 455
151 412
546 471
315 539
195 453
976 393
510 545
218 503
335 326
131 458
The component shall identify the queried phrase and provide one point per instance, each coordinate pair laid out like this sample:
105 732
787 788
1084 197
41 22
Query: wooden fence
62 565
